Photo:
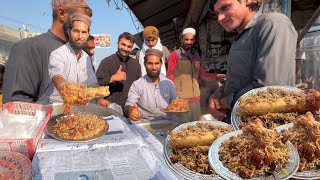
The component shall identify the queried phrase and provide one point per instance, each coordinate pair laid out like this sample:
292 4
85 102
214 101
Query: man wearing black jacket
119 71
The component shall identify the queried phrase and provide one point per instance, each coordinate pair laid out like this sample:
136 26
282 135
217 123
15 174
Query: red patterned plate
14 165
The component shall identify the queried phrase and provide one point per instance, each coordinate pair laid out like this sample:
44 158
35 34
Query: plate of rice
254 152
192 162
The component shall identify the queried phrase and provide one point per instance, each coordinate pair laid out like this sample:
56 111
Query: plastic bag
17 125
116 107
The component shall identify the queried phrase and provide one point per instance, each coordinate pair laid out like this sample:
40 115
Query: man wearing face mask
70 63
185 70
119 71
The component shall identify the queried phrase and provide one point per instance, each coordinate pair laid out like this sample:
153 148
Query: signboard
31 34
101 40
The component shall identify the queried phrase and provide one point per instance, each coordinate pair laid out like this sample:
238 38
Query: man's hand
223 103
216 107
103 102
221 78
119 76
134 113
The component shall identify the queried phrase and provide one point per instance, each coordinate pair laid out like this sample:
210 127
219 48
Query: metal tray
179 168
236 119
291 165
54 119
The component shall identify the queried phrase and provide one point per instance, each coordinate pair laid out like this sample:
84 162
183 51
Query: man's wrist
103 102
112 79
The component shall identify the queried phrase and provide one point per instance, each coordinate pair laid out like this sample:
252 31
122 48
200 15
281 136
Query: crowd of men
143 87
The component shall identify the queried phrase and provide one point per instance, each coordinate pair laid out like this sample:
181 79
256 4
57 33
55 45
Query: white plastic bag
116 107
17 125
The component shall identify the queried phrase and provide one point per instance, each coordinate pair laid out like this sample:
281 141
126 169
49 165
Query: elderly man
150 94
70 63
262 54
27 68
185 70
119 71
152 41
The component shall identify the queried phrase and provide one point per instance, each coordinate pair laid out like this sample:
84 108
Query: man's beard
187 46
123 53
151 75
65 30
75 46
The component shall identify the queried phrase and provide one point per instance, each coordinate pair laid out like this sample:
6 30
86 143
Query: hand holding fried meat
74 93
279 101
305 136
254 152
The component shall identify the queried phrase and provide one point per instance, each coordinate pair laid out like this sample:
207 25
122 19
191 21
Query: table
125 152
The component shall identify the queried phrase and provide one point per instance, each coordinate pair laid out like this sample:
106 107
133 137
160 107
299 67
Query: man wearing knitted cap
27 67
152 41
150 94
69 63
185 69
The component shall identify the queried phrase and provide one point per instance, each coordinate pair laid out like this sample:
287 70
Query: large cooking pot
88 109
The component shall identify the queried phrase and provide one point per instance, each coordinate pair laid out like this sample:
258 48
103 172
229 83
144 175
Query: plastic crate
25 146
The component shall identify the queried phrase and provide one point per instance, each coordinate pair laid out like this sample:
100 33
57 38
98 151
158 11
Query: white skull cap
189 30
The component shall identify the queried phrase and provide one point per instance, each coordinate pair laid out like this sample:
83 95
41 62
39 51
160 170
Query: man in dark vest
185 69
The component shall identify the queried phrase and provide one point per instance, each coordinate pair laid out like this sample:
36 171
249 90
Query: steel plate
54 119
236 119
291 166
179 168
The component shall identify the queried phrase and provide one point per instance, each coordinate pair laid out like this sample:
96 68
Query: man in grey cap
150 94
69 63
27 74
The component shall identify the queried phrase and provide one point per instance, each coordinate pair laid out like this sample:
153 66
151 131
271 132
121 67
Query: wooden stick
308 25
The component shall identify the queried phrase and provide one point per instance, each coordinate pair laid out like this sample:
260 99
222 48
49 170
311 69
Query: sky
38 15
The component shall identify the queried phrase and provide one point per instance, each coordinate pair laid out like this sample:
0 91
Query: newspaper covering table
125 152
